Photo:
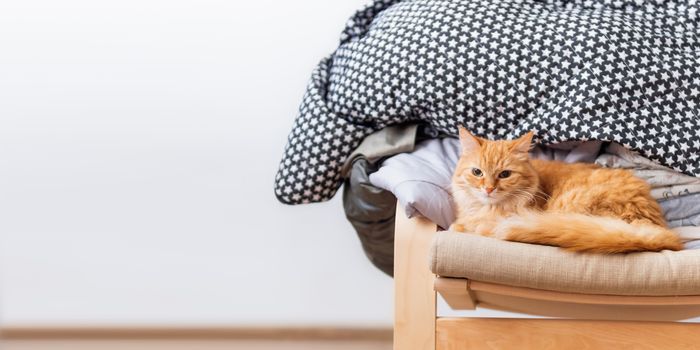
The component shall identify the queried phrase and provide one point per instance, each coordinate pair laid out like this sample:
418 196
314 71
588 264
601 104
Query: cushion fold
551 268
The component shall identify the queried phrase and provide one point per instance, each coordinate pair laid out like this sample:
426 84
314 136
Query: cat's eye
477 172
504 174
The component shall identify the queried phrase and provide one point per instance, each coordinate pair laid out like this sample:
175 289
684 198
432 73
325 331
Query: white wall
138 144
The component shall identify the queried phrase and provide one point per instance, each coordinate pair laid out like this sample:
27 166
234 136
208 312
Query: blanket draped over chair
625 70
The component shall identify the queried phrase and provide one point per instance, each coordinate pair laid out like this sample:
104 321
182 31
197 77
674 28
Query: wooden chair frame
585 320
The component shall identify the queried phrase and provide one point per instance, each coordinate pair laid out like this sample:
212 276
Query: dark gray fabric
370 209
384 143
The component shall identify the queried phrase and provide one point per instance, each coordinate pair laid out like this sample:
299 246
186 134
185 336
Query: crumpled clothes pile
414 163
665 182
421 179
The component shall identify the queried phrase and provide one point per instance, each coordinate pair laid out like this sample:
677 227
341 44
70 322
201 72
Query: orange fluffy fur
580 207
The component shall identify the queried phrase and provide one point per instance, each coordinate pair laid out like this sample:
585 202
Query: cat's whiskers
521 198
545 197
528 197
536 194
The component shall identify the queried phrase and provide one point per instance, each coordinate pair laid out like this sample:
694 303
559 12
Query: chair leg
414 297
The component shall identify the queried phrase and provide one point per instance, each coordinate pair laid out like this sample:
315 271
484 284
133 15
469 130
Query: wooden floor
191 344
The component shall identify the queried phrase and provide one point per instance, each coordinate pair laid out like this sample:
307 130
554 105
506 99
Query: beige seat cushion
550 268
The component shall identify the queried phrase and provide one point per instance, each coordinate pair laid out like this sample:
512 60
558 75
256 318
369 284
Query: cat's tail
587 233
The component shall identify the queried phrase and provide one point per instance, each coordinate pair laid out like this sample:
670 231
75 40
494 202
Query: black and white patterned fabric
611 70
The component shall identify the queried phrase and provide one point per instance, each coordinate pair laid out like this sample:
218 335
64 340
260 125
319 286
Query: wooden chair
584 321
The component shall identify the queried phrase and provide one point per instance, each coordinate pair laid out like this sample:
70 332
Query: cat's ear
470 143
523 144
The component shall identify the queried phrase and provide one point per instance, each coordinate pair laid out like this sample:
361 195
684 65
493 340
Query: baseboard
197 333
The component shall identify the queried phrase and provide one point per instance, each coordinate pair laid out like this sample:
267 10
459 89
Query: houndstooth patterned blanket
624 71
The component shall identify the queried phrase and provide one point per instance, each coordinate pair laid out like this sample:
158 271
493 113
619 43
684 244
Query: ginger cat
500 192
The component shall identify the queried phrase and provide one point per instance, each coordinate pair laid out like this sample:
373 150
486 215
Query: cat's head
495 172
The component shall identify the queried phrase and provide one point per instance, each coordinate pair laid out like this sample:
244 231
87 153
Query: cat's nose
489 189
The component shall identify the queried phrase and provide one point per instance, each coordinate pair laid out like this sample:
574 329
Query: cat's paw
501 231
500 234
485 229
457 228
